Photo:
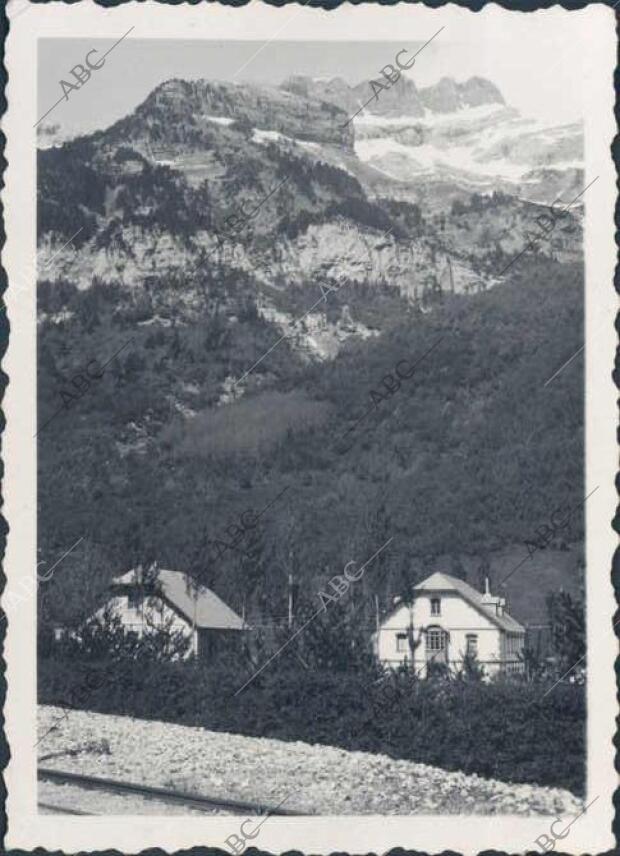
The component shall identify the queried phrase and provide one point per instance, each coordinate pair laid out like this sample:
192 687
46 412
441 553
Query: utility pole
451 275
194 631
290 601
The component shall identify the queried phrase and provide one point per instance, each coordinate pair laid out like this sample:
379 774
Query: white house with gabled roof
166 599
447 621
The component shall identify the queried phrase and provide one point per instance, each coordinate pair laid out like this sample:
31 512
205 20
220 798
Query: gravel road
312 779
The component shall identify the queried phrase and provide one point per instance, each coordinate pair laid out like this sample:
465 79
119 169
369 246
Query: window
435 606
513 644
472 645
134 599
435 639
402 643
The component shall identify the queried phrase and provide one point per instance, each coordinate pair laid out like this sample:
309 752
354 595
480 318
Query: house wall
152 613
457 617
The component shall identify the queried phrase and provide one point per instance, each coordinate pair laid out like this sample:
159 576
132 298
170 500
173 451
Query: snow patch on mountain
428 158
220 120
429 118
321 152
261 136
490 146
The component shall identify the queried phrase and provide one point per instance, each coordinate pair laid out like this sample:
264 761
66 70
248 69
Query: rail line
190 800
59 809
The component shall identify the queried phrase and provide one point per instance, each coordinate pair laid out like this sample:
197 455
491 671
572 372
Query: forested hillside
191 370
469 456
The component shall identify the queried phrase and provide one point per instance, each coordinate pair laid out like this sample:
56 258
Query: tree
336 638
471 670
408 599
74 587
568 634
104 637
534 666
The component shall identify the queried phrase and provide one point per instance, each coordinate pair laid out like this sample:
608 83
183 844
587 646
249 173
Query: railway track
196 802
59 809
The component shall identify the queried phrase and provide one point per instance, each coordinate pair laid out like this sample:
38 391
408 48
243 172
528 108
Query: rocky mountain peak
479 90
448 96
293 113
333 90
402 98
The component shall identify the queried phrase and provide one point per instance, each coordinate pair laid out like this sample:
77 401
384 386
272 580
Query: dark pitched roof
206 608
444 582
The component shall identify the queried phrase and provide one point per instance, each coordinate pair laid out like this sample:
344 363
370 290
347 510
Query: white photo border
27 828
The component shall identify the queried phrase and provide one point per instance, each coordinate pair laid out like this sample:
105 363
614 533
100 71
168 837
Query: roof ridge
201 606
476 599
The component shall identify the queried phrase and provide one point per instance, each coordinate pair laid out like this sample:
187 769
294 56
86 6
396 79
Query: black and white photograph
315 391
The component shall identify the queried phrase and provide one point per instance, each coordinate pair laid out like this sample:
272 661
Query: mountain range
401 98
408 136
262 261
155 191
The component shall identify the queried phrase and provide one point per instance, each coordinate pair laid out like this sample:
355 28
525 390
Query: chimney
487 597
495 604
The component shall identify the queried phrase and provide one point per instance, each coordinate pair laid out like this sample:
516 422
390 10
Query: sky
528 73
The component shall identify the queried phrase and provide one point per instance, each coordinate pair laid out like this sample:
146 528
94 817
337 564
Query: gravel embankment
313 779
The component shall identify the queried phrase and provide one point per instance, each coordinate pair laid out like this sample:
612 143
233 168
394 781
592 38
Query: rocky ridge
251 105
402 98
154 195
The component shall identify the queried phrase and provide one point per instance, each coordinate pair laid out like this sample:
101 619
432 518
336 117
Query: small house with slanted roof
447 622
166 599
